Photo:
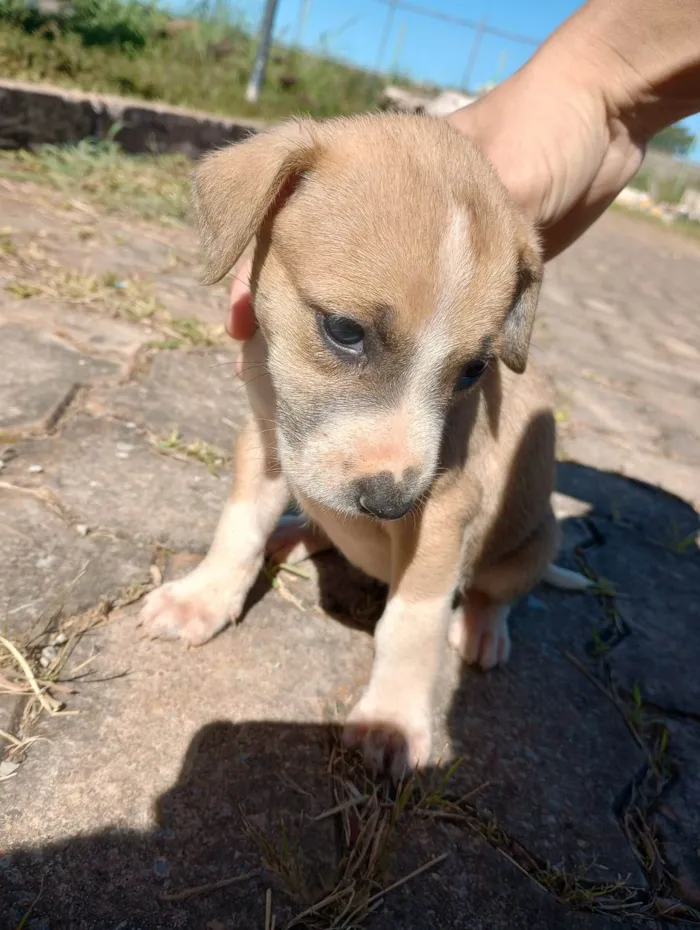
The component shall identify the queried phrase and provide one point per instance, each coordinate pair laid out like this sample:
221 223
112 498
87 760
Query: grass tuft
199 450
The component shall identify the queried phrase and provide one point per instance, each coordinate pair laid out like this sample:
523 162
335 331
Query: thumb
240 323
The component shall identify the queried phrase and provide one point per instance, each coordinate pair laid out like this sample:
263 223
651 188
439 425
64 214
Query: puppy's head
390 271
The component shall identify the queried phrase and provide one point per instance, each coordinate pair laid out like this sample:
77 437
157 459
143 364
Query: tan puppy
395 286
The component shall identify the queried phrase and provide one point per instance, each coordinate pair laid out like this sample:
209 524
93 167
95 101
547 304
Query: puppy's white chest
363 542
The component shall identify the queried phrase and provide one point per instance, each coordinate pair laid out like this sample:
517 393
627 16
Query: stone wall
35 114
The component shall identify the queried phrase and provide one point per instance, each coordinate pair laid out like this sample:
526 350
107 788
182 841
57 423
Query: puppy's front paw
193 609
479 633
393 741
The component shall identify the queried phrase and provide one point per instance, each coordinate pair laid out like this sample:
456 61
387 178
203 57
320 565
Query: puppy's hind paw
479 633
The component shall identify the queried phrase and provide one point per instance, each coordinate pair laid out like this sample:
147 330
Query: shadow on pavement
552 762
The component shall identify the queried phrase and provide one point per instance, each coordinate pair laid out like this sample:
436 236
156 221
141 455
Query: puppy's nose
384 497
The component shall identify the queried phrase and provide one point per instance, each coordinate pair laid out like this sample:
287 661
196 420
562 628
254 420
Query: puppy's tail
566 580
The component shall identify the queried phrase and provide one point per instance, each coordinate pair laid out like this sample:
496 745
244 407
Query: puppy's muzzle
385 498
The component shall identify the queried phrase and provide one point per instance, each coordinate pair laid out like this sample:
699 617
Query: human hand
561 154
569 130
240 322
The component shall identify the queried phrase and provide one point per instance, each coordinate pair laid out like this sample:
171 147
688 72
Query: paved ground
177 768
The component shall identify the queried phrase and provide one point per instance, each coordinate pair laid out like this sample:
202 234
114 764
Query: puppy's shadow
547 733
342 591
546 740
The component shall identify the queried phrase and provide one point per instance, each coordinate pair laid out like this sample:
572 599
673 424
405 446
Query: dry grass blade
284 859
44 495
633 716
17 744
28 913
50 705
197 890
402 881
370 816
10 738
38 687
314 909
339 808
8 686
293 570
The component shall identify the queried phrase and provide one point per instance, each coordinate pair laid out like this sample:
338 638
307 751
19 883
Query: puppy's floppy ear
235 189
517 328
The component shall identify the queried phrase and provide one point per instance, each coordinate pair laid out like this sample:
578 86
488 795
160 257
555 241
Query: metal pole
257 75
476 42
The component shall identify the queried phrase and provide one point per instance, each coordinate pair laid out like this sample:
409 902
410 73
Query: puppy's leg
392 721
196 607
479 631
479 628
295 539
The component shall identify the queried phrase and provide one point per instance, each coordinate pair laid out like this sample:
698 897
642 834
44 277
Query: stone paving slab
660 606
92 458
540 717
163 259
38 378
51 567
172 746
156 402
95 336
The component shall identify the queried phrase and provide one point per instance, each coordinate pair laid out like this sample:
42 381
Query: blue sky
423 48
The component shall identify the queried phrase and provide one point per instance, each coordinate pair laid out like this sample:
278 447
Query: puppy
395 288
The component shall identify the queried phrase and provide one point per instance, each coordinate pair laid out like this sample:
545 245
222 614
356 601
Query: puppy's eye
471 373
344 332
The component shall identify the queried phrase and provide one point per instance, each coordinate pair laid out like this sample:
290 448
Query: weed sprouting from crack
8 246
199 450
679 542
641 797
615 629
